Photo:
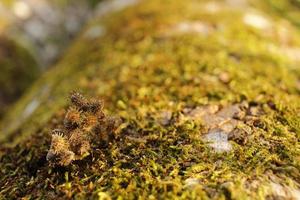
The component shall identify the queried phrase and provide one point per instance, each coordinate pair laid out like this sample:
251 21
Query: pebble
218 140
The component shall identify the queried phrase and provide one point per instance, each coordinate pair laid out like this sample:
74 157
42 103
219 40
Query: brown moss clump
85 126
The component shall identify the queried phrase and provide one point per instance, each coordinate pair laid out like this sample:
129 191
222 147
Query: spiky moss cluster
147 72
18 70
85 125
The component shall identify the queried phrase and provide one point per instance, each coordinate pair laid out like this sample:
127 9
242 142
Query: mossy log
18 69
208 95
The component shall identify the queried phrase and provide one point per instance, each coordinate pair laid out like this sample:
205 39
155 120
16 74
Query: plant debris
85 125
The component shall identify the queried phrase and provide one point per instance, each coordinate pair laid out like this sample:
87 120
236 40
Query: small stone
224 77
229 125
254 111
165 117
258 123
213 121
218 140
283 191
191 182
229 111
238 136
199 112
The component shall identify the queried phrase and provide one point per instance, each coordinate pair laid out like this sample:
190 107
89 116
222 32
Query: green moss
287 8
141 67
18 70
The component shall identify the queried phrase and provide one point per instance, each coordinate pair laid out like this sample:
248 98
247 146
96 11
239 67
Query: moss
18 70
289 9
148 67
63 3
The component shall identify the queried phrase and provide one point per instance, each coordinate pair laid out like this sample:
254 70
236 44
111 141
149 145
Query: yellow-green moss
290 9
145 64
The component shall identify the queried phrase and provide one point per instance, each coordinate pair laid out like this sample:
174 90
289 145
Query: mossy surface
158 57
18 70
290 9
